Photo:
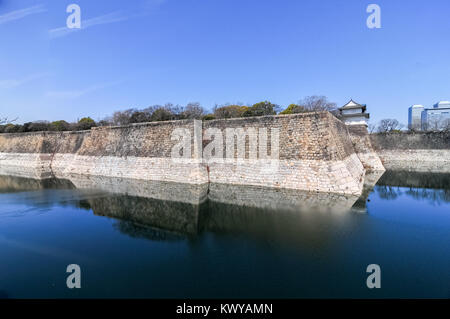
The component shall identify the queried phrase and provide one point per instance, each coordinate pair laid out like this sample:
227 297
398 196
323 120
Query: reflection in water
149 232
171 211
12 184
416 179
433 187
388 192
167 191
370 180
222 240
306 229
171 216
33 192
275 199
164 210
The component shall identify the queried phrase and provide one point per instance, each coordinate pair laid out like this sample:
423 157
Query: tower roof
353 105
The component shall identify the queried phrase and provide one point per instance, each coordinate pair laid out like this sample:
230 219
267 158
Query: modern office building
415 117
442 105
436 118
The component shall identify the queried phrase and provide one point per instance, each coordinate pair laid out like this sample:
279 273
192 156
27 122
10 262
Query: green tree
229 111
85 123
162 114
59 126
39 126
261 109
11 128
140 117
208 117
293 108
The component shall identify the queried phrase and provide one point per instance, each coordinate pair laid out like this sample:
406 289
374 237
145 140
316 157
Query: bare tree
174 109
4 120
433 125
437 124
446 125
122 117
372 128
389 125
192 111
107 121
315 103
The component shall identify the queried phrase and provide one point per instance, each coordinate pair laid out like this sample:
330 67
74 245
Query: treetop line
169 112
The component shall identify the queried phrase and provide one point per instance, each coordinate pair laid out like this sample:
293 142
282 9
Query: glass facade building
436 118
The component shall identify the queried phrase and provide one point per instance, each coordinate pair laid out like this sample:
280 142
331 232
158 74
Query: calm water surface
137 239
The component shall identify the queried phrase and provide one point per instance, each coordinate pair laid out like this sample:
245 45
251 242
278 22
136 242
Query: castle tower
354 113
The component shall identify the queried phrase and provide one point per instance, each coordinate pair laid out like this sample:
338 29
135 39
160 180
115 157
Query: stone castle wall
363 147
315 153
419 152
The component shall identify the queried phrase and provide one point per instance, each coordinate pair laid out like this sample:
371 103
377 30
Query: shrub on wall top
261 109
85 123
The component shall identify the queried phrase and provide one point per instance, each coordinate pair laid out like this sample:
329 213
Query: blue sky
145 52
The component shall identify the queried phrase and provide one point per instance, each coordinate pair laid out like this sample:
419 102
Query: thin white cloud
13 83
112 17
22 13
72 94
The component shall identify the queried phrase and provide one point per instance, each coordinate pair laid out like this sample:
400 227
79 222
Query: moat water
176 241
